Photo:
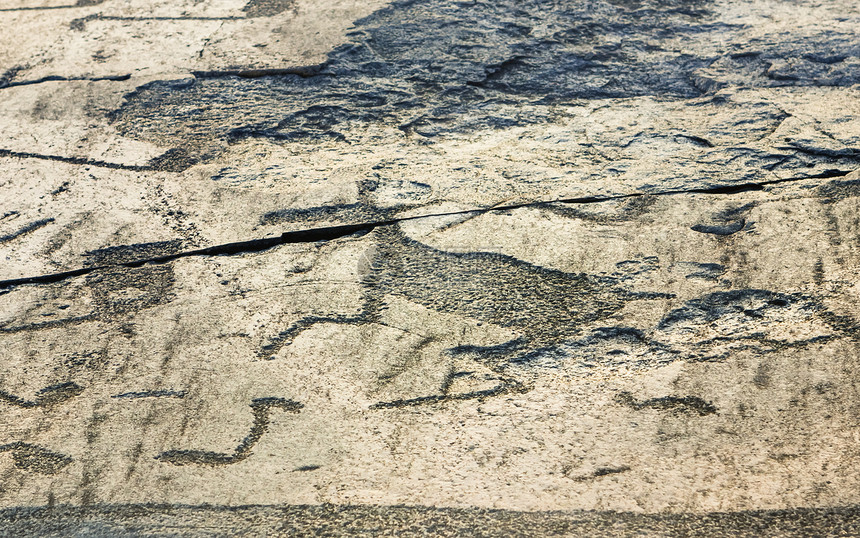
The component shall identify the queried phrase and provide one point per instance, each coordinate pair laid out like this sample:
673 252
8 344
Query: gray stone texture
459 268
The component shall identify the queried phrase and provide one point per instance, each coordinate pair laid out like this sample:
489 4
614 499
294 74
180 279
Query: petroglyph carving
261 408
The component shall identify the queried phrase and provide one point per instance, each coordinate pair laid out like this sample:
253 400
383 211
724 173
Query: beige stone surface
682 343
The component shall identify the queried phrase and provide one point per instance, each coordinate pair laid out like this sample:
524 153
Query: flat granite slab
295 267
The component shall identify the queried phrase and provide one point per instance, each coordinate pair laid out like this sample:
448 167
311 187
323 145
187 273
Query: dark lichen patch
763 375
260 408
668 403
46 397
35 458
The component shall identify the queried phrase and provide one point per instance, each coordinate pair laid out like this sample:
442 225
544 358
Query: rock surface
564 267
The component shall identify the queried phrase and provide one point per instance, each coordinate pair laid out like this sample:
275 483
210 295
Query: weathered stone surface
599 278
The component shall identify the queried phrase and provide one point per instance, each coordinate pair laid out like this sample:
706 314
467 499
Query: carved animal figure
545 307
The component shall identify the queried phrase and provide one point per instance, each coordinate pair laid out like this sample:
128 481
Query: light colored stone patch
68 119
143 39
302 35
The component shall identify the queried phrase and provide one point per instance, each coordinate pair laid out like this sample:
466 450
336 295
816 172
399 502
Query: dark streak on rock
25 229
152 394
304 71
602 471
47 397
133 520
705 271
666 403
508 386
698 140
843 153
35 458
79 3
725 229
174 160
305 468
38 326
80 24
58 78
260 408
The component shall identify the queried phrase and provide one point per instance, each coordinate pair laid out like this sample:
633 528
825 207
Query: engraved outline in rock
46 397
35 458
488 287
261 408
